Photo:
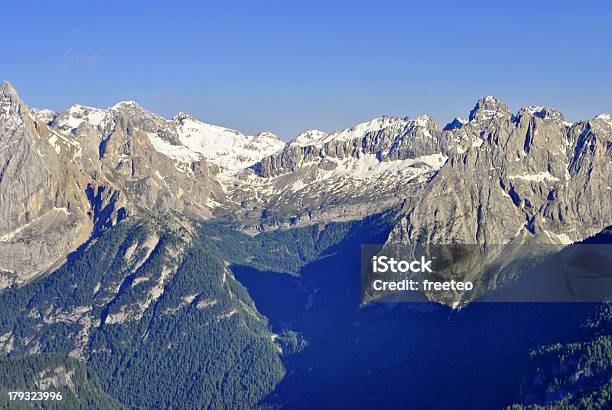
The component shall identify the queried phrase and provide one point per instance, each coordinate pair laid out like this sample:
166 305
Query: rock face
66 177
527 175
496 178
524 181
42 216
137 151
385 138
346 175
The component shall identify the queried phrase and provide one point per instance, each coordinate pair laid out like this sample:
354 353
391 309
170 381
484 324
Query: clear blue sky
284 67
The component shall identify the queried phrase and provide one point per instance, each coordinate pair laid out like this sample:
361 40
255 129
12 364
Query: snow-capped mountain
229 149
496 177
318 138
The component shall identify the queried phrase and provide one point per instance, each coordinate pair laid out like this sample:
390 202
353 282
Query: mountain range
494 178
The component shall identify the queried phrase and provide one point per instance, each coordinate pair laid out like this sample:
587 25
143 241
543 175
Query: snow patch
178 153
368 166
539 177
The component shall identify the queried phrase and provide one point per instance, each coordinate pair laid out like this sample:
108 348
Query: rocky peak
7 90
605 118
489 107
181 117
266 135
377 124
17 126
127 105
69 120
536 179
425 121
10 102
541 112
308 137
